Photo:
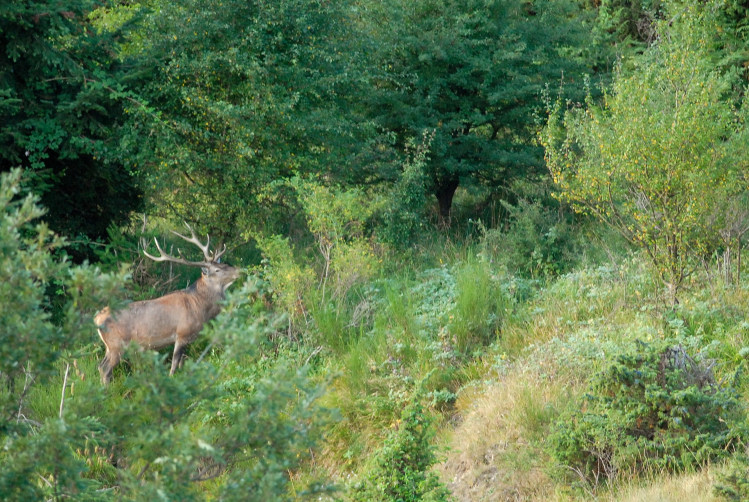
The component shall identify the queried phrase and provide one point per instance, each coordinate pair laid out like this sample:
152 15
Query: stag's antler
203 247
193 239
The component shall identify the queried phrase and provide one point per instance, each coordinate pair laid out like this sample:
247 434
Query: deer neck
211 294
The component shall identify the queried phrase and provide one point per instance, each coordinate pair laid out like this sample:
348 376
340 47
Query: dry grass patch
676 488
496 452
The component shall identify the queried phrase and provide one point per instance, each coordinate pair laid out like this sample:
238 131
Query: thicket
734 483
400 469
148 435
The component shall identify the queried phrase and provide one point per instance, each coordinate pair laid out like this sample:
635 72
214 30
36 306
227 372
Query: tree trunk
727 264
673 294
444 190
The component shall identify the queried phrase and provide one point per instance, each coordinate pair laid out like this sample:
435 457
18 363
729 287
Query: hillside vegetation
488 250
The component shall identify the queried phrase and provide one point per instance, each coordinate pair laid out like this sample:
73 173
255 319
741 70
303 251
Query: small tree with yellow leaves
662 155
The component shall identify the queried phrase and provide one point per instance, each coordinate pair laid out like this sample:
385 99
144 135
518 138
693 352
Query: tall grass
496 452
480 306
698 486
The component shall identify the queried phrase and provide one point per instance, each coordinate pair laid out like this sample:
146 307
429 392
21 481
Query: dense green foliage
641 162
734 485
35 341
234 94
653 409
472 72
400 469
404 211
151 435
60 107
457 223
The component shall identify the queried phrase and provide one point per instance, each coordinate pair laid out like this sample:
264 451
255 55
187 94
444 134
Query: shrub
401 468
336 218
289 281
404 211
539 242
653 408
734 483
37 458
352 263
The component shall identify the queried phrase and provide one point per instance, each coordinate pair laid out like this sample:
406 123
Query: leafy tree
473 73
662 156
238 95
59 108
627 25
630 26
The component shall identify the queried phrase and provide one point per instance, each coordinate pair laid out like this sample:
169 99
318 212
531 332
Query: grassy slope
551 345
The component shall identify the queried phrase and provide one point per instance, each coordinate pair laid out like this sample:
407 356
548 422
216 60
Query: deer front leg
177 355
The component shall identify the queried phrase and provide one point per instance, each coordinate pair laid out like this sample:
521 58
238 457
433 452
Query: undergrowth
527 381
585 339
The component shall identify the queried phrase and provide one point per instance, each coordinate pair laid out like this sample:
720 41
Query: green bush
539 242
401 468
653 409
44 302
289 281
733 484
336 220
404 212
38 458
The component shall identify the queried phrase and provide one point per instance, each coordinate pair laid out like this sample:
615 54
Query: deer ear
205 270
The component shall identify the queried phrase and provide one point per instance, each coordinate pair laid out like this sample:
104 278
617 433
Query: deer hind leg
178 355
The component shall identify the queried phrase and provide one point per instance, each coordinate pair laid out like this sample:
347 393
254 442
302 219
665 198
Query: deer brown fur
176 318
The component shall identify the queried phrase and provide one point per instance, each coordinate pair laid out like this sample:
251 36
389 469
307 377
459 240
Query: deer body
173 319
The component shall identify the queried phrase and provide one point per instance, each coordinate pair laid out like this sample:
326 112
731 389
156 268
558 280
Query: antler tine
166 256
154 258
193 239
219 254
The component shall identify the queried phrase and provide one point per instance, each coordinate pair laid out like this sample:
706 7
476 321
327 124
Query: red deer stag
175 318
